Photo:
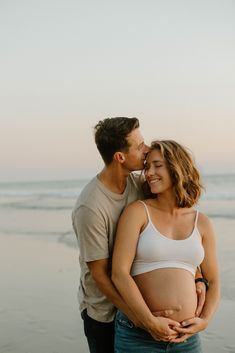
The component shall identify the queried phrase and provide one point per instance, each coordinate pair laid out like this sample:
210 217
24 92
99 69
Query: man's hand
201 296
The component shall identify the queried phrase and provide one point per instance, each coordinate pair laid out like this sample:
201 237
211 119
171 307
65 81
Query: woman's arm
131 223
210 271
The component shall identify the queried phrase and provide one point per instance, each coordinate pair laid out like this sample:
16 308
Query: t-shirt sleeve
91 232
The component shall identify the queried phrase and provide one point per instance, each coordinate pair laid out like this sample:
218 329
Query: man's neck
113 178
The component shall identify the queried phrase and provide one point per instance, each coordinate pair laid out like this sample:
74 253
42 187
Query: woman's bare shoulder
205 224
133 216
136 206
203 219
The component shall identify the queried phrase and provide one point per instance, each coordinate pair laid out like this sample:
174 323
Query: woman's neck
167 202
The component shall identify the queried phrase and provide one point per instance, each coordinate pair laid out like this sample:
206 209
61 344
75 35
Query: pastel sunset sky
66 64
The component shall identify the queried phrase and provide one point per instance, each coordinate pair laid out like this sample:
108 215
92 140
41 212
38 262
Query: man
95 217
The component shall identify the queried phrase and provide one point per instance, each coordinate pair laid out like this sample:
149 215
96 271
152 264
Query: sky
67 64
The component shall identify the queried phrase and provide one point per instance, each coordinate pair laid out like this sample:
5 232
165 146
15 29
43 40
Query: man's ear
119 157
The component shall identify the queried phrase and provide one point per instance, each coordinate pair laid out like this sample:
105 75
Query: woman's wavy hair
184 174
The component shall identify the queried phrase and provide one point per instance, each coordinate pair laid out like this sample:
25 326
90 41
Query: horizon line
90 177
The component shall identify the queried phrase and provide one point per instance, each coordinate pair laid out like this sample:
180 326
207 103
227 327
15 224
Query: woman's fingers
173 323
180 339
189 322
183 330
191 326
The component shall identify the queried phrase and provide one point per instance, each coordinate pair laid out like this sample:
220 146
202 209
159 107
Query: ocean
58 197
39 266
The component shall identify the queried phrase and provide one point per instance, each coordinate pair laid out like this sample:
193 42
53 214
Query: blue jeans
100 335
130 339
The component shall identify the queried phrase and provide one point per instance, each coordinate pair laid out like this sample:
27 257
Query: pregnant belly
169 288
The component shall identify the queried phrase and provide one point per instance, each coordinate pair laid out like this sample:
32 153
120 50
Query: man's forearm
100 274
106 286
212 301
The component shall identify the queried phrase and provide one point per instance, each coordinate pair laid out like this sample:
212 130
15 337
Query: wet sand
39 309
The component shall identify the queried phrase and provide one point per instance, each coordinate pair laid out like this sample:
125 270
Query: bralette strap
196 218
146 209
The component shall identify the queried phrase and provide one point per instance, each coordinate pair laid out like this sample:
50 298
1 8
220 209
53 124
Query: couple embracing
149 275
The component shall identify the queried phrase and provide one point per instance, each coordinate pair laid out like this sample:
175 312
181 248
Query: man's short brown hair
111 136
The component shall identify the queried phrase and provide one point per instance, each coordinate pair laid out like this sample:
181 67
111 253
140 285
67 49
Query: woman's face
156 173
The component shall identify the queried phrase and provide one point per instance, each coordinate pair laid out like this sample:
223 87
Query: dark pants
100 335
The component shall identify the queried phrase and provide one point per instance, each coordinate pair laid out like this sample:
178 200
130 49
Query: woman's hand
188 328
162 329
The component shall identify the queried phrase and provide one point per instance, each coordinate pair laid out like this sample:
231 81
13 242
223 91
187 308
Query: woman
159 245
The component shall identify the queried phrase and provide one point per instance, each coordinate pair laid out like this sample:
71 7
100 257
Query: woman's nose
149 172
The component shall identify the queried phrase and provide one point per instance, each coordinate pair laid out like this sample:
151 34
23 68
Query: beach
38 310
40 271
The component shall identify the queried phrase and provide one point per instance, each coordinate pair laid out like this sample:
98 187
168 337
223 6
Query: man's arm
201 292
93 242
100 274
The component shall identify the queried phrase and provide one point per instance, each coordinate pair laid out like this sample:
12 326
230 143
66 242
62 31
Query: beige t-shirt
95 218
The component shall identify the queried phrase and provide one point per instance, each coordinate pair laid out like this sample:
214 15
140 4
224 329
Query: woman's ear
119 157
